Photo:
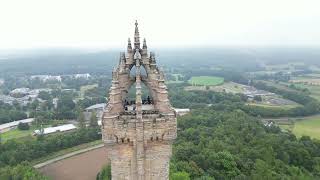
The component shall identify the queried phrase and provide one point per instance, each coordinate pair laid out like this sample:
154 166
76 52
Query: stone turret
138 134
144 46
129 47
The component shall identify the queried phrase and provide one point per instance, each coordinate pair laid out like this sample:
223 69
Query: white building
84 76
50 130
45 78
181 112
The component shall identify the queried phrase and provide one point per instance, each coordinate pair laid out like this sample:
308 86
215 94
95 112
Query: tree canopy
234 145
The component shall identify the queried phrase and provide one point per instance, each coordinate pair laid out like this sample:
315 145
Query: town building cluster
22 96
59 78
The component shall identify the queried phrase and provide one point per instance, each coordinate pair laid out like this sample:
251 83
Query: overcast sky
164 23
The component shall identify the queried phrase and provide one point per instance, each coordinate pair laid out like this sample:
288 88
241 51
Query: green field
206 80
15 134
309 126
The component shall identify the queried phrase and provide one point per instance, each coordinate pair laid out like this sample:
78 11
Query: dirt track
84 166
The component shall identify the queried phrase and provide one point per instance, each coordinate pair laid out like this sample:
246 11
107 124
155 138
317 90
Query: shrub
23 126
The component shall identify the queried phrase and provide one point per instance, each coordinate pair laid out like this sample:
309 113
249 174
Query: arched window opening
133 71
130 100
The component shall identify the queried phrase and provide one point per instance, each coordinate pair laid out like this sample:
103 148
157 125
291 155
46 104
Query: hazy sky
168 23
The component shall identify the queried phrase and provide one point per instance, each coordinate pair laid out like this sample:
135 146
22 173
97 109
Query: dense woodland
10 113
233 145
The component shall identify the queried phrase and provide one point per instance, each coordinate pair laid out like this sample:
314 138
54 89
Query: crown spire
144 46
136 37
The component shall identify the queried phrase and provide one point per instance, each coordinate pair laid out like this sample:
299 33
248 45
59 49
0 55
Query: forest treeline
230 144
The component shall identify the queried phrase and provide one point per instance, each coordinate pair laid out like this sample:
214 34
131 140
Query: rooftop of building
62 128
96 106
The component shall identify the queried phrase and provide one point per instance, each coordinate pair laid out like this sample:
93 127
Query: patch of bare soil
84 166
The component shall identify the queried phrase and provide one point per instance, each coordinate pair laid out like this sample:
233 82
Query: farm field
206 80
308 126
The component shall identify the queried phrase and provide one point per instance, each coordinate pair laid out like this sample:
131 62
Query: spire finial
136 37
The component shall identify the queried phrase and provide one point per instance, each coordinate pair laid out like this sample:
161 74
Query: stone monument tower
138 134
